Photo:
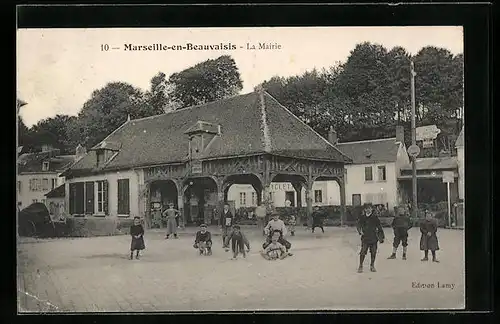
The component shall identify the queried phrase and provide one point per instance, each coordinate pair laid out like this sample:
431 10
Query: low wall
97 226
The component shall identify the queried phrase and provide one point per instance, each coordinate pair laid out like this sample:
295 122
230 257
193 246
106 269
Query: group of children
277 247
370 229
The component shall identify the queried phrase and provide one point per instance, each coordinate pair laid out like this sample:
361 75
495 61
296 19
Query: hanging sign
448 177
196 167
427 142
427 132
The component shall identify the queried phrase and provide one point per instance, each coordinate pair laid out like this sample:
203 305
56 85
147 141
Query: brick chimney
400 134
80 151
332 136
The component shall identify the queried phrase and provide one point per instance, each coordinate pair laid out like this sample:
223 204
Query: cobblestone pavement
94 274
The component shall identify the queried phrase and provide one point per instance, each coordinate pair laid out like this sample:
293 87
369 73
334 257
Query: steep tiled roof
460 139
32 162
437 163
371 151
58 192
246 129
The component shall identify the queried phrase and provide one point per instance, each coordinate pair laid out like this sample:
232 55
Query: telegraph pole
413 143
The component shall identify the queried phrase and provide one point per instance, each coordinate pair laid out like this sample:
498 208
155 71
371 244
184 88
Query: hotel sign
196 167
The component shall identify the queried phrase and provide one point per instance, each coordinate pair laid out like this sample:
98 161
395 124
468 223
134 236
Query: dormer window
201 134
101 157
45 166
104 152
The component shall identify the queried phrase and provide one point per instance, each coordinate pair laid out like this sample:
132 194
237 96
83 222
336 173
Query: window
35 200
89 198
53 183
45 166
271 196
35 184
77 198
123 197
254 198
45 184
102 157
318 196
43 201
243 198
368 174
381 173
19 186
356 200
102 197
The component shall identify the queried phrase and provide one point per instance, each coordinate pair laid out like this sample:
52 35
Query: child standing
238 242
275 250
401 224
429 240
371 232
137 233
203 240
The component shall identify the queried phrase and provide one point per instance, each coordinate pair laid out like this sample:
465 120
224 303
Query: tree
205 82
24 136
55 131
108 108
159 96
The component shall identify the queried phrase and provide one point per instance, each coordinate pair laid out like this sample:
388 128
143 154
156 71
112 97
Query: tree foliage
208 81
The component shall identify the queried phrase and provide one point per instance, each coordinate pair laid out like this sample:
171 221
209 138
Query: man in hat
276 224
401 224
170 214
203 240
371 232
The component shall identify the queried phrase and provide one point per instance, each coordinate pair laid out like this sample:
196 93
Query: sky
58 69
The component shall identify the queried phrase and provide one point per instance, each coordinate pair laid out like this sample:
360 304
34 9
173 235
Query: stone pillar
309 200
297 186
343 212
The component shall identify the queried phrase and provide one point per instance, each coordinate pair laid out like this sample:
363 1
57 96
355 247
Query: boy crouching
203 240
238 242
275 250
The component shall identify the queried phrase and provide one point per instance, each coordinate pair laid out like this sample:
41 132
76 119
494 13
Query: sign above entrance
196 167
427 132
448 177
414 150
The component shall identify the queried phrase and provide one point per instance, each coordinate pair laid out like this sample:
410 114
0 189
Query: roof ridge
188 107
370 140
309 127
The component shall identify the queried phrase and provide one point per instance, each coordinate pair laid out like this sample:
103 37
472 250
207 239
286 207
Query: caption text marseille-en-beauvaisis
192 47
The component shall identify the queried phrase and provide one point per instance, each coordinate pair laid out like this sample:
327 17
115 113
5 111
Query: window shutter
72 197
126 197
123 197
105 197
79 198
89 198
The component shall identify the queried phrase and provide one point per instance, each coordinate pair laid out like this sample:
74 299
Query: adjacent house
38 173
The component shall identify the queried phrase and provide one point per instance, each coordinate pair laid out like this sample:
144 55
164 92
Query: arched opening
327 194
162 193
200 201
243 193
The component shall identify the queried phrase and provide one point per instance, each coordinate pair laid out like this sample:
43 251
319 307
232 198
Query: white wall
461 172
135 183
26 196
329 189
356 184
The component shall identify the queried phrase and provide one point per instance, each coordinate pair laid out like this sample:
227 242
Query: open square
94 274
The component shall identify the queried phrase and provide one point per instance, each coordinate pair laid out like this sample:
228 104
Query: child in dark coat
401 224
137 233
371 232
203 239
429 240
238 242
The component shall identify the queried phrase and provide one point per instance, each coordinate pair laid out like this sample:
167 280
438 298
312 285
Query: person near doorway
171 214
317 219
260 214
400 224
276 224
371 232
227 223
429 239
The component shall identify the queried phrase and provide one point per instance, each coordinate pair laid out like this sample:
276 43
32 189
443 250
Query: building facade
192 157
38 174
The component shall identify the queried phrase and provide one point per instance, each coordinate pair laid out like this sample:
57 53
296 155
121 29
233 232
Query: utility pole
413 143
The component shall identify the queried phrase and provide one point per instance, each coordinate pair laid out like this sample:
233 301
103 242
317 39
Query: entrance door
290 196
356 200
